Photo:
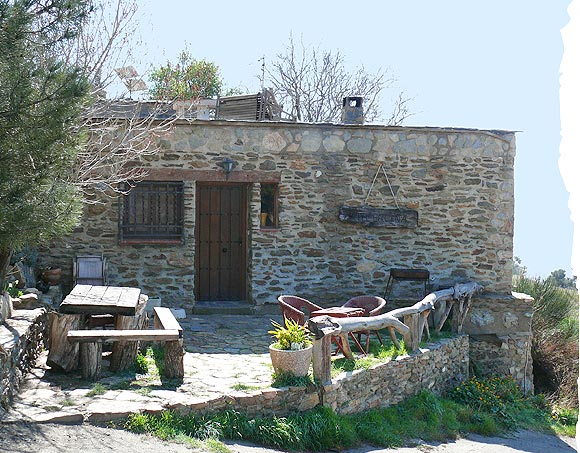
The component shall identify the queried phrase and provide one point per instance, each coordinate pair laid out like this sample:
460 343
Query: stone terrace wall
22 338
437 367
460 182
501 338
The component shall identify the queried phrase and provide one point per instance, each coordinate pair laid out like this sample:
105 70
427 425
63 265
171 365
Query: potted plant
292 351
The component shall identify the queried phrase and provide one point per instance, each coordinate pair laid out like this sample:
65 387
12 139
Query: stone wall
460 182
22 338
437 367
501 338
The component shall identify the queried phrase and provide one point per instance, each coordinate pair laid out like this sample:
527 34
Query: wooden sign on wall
379 217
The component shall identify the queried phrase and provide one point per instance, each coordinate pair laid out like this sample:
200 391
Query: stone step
233 308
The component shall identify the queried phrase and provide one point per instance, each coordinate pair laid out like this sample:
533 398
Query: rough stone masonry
460 181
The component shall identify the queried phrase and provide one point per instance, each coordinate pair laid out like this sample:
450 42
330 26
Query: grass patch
157 355
141 363
244 387
485 406
377 354
145 391
122 385
565 420
98 389
149 367
289 380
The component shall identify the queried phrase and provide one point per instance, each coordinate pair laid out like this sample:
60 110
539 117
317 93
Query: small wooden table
101 300
342 312
339 312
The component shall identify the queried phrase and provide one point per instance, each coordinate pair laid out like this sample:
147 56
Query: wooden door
221 242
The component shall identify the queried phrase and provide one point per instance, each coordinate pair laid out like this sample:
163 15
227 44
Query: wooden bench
167 330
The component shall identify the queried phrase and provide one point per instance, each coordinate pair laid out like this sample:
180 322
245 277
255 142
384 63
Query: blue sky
486 64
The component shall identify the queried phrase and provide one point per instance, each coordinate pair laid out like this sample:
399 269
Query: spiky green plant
290 336
555 338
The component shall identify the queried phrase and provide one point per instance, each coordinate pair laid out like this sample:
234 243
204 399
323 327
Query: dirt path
50 438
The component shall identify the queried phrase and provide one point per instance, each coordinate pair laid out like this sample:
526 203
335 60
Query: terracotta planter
52 276
292 362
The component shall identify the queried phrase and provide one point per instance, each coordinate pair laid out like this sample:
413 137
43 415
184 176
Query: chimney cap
352 110
353 101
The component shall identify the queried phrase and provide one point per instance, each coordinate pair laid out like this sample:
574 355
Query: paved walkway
226 354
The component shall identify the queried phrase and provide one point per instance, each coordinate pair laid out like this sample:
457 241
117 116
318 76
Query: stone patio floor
226 355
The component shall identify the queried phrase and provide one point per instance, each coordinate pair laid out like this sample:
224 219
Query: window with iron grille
152 212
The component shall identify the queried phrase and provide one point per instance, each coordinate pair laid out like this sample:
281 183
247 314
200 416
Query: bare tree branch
121 134
119 142
310 85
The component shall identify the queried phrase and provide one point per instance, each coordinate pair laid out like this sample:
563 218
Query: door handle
224 250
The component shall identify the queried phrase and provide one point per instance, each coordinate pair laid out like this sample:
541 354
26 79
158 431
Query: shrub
12 289
141 363
498 396
555 338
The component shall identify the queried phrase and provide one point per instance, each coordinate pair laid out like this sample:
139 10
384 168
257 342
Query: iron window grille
152 212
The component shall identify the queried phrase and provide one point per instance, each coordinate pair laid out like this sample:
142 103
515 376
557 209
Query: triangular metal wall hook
382 167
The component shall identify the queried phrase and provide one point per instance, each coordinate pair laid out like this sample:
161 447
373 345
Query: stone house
191 231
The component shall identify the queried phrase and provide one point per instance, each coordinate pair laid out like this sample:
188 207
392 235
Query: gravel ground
51 438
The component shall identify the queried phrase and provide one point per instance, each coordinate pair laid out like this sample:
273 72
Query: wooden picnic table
123 307
101 300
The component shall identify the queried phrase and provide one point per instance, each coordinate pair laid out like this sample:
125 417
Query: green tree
519 270
558 277
187 79
41 102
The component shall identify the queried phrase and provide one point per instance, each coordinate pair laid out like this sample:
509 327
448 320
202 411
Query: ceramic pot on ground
294 362
52 276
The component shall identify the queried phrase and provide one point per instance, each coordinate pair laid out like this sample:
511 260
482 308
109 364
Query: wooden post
460 313
413 338
124 353
345 345
63 354
174 353
321 359
443 317
394 338
91 355
425 322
